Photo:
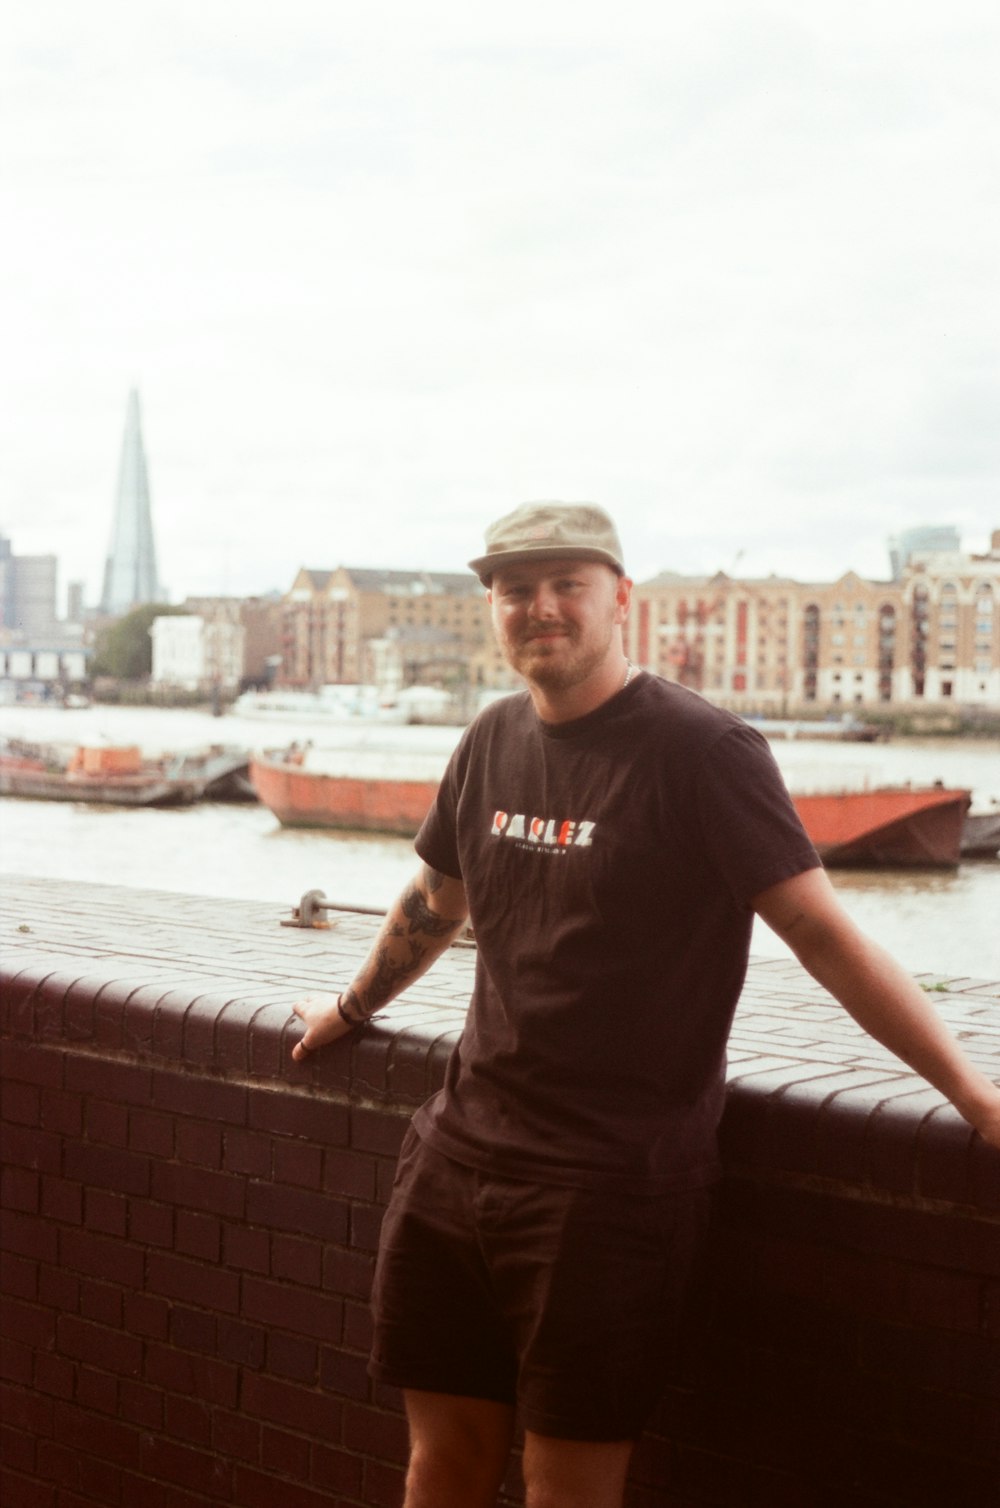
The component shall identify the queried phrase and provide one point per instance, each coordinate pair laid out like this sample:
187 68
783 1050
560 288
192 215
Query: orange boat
309 798
891 825
104 775
886 826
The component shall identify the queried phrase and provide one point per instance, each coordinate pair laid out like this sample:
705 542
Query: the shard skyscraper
130 572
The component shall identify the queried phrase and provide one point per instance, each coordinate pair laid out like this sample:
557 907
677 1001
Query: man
611 836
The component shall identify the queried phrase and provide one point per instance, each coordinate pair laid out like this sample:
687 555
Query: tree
124 650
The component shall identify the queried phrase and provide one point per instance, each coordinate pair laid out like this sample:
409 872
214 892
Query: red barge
311 798
893 826
106 776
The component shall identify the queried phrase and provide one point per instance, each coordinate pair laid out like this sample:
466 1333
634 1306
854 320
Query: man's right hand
323 1024
418 927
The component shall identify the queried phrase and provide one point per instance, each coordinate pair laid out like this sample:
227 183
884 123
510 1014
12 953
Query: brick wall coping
159 978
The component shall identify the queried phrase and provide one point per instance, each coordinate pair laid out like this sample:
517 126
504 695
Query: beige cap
550 531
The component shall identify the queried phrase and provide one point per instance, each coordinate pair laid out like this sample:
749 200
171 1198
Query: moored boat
221 772
827 730
981 834
353 704
891 826
905 826
381 800
109 776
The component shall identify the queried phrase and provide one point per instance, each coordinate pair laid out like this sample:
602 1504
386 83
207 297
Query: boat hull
981 835
890 827
300 798
118 790
894 827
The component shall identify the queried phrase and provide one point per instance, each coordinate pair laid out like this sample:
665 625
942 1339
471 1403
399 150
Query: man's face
555 619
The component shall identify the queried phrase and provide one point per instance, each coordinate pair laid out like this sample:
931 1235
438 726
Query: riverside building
217 643
929 636
772 644
389 628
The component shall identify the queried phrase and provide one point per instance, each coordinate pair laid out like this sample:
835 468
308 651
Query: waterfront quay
190 1222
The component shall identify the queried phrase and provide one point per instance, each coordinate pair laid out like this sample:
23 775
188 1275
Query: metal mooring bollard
310 912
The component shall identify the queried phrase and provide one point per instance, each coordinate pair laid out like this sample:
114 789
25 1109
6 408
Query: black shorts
564 1302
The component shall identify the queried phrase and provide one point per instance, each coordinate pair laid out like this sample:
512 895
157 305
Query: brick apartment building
217 643
933 635
930 635
392 628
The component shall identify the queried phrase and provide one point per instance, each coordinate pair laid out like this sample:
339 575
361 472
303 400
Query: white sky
382 271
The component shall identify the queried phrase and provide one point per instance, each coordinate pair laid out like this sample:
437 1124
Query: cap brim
485 565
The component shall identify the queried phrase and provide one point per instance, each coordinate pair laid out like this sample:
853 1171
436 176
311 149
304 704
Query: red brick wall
189 1228
850 1352
185 1269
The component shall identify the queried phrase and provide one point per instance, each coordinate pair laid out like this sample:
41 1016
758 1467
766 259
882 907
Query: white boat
337 704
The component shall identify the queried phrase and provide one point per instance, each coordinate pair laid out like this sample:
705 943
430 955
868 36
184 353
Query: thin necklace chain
629 673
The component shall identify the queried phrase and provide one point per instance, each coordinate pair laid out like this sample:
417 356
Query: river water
940 922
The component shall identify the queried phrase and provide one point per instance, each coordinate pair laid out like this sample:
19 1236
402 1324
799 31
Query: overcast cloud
380 275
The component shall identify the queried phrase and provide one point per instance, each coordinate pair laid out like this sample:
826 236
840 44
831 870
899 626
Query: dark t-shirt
609 864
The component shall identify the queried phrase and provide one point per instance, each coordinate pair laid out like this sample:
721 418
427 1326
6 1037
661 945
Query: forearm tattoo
421 918
400 953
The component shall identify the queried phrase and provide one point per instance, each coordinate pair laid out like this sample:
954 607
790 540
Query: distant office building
74 602
130 577
924 539
6 582
27 592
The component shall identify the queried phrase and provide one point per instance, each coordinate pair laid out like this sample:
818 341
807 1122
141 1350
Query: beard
560 663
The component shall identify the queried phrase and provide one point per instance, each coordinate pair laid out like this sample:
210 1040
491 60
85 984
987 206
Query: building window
886 650
810 650
920 628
